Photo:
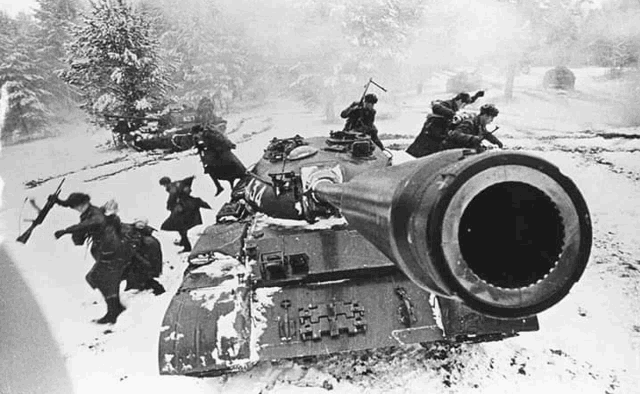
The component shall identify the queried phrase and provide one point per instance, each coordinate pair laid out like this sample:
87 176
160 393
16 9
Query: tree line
133 57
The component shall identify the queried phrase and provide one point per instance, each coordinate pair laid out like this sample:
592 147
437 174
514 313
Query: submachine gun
42 213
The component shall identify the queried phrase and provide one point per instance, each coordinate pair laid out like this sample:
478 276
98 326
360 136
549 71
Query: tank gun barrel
505 233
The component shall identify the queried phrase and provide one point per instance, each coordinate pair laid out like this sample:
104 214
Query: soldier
205 113
107 250
215 153
146 260
360 116
185 209
471 132
437 125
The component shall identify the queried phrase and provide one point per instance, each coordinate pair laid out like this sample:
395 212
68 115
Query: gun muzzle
505 233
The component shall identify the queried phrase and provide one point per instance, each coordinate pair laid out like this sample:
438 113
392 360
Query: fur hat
164 180
370 98
489 109
74 200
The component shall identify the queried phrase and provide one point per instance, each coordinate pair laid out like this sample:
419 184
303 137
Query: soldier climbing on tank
215 153
360 117
185 209
471 132
107 250
438 122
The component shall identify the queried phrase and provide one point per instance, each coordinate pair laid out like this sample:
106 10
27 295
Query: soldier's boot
184 241
114 309
155 286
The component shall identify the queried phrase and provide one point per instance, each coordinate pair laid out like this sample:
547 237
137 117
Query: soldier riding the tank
361 116
438 123
471 132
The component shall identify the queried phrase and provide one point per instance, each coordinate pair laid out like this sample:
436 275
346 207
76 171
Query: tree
21 80
55 18
114 59
211 53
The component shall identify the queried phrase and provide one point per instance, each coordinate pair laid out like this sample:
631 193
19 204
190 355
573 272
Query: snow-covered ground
589 343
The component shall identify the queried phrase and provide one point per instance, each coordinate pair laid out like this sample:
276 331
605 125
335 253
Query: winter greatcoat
360 119
185 209
217 159
146 259
107 248
469 134
435 128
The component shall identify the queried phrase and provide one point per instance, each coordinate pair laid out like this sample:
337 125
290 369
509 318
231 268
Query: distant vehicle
167 130
559 78
326 247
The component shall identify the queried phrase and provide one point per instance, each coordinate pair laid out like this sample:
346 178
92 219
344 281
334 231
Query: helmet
165 180
489 109
370 98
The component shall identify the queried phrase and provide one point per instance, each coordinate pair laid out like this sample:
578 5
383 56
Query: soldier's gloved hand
53 198
480 93
59 234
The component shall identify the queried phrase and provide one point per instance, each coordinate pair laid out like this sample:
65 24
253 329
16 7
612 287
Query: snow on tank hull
264 286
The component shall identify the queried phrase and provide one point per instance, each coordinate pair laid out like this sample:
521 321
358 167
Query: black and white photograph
311 196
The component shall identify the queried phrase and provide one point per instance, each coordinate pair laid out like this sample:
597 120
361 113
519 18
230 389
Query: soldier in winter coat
215 153
185 209
107 248
361 116
435 128
471 132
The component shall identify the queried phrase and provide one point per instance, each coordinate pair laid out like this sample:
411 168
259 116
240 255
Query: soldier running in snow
185 209
361 116
438 123
215 153
471 132
107 250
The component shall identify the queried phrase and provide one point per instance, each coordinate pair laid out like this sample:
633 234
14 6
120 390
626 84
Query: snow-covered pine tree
55 18
22 81
113 59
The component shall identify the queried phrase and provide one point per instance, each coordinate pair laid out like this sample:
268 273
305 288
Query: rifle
366 87
42 213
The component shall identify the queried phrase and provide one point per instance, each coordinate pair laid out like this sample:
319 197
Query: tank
327 247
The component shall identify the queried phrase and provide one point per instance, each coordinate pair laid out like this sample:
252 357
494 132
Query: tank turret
327 247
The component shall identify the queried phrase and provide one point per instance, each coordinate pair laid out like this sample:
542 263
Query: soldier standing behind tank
107 250
435 128
185 209
214 149
360 117
471 132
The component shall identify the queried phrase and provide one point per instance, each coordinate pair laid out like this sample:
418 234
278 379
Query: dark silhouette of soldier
438 122
146 259
215 153
107 249
361 116
185 209
471 132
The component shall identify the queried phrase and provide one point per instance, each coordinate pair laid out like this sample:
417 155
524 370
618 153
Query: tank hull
321 291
